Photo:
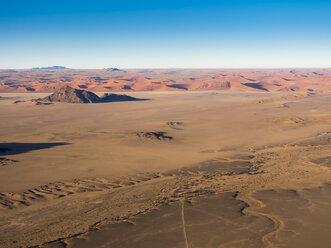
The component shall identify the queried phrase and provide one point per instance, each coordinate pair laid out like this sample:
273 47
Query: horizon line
170 68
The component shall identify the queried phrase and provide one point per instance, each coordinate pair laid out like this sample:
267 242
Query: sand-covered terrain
114 80
185 168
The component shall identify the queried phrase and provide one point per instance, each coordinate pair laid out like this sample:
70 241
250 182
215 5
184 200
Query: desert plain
208 158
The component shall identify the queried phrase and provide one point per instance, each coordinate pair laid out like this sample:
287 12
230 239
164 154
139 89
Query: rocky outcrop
71 95
154 135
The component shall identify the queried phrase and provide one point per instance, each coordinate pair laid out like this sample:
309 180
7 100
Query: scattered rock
154 135
6 161
175 124
43 103
293 120
18 101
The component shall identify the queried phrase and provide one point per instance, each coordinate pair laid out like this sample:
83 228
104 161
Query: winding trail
254 205
183 224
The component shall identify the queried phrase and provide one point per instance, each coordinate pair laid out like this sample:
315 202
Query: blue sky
165 34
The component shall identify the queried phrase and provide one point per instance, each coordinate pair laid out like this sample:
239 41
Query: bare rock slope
71 95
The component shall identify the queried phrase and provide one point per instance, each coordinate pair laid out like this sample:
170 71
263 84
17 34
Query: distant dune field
114 80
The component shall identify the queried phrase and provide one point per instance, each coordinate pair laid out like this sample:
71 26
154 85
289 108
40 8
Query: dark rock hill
117 98
71 95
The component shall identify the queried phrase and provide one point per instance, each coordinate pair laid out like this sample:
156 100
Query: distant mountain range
114 70
55 67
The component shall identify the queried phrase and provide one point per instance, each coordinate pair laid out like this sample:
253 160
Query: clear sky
165 33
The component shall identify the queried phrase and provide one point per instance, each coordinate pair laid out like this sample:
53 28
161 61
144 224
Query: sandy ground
240 170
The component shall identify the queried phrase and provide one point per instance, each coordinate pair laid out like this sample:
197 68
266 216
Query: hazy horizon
173 68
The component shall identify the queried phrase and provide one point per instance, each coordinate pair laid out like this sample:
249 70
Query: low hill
71 95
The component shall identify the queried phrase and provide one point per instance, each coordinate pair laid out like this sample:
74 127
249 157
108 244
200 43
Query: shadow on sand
17 148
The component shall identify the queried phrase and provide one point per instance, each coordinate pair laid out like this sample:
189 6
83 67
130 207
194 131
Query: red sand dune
284 80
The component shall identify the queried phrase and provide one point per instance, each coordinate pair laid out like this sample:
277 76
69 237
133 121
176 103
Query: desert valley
165 158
